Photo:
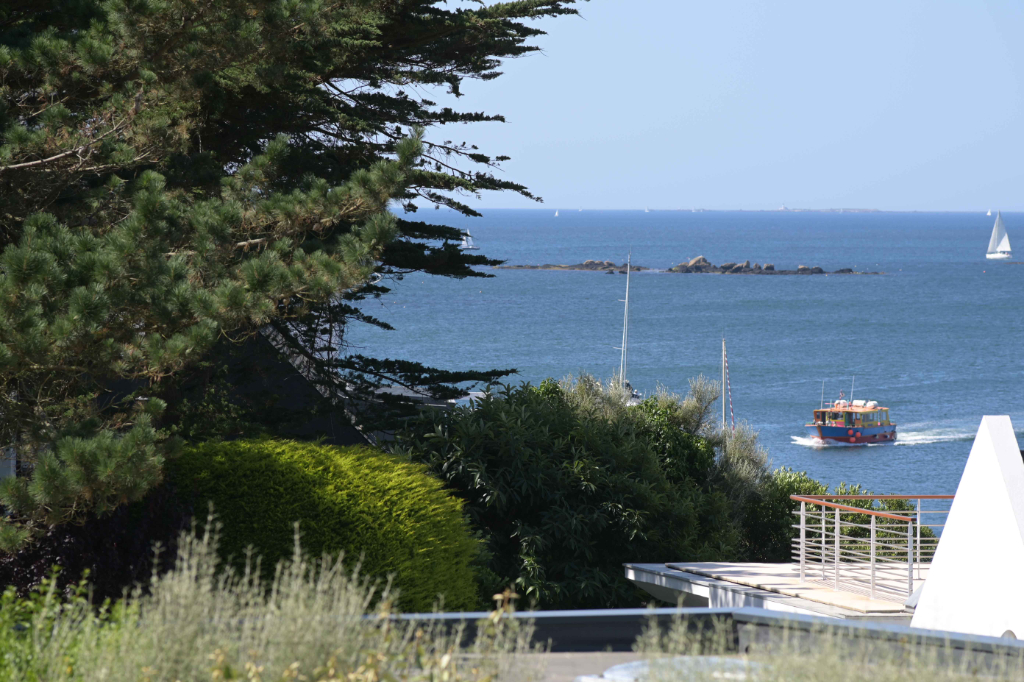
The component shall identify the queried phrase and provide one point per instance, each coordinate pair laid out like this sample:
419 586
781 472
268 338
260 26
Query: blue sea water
937 338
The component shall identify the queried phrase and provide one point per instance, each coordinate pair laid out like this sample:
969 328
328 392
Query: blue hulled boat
853 423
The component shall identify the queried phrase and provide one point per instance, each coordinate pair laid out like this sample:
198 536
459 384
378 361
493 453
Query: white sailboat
556 212
468 244
989 212
999 242
647 210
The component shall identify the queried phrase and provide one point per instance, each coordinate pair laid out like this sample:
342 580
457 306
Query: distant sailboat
467 243
989 212
556 212
647 210
999 242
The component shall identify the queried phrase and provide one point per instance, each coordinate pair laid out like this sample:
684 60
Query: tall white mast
625 324
724 422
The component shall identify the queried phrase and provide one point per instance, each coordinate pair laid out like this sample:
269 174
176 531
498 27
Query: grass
827 653
315 621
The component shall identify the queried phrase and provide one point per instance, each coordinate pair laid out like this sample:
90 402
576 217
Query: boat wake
929 436
819 444
925 437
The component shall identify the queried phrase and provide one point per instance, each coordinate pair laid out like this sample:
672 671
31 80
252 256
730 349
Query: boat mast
822 395
852 383
723 382
726 388
625 324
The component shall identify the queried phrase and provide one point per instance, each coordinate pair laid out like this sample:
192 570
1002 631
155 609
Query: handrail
879 559
860 510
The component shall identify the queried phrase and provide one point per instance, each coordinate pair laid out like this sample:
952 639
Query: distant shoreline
570 211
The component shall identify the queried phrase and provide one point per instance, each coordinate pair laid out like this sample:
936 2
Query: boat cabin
859 414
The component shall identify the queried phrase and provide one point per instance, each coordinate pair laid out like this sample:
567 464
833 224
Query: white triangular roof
974 583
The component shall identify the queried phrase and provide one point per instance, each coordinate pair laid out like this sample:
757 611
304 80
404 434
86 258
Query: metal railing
866 549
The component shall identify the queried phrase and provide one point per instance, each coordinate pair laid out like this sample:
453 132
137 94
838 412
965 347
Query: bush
116 550
567 483
203 621
768 530
354 500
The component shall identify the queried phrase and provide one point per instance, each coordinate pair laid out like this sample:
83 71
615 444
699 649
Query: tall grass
202 621
833 653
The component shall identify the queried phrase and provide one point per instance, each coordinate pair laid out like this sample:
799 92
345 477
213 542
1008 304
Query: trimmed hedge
356 499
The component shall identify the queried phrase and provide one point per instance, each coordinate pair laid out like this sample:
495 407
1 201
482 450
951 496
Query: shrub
204 621
567 483
768 531
116 550
355 500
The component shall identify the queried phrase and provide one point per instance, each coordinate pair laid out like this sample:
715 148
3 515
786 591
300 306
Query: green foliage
567 482
316 621
176 174
43 616
355 500
768 531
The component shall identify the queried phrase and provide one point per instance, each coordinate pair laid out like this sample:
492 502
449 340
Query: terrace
855 556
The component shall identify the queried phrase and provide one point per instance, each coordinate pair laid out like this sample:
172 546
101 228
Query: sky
739 104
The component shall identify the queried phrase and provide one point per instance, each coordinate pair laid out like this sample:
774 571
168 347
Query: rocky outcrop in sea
700 264
594 265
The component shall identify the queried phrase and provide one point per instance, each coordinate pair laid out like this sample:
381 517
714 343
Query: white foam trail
819 444
905 438
929 436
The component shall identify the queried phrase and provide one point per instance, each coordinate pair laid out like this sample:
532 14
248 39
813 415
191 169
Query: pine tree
177 174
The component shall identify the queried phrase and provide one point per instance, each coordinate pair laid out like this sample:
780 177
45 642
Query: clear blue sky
898 105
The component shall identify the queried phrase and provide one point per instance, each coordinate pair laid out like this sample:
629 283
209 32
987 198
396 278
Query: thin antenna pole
625 324
728 386
822 395
851 389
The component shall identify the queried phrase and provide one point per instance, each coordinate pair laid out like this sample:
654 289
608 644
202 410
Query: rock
734 270
609 272
769 267
699 260
844 271
592 262
682 267
803 269
816 270
746 264
727 266
609 263
757 266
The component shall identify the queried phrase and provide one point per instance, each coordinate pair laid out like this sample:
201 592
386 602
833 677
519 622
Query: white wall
975 582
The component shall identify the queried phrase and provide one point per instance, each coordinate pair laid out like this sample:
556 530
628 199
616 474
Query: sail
999 241
1004 245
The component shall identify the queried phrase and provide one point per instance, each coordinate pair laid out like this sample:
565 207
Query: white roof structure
974 584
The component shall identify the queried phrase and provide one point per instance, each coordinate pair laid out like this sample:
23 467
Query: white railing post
836 587
821 508
872 556
803 538
910 556
918 551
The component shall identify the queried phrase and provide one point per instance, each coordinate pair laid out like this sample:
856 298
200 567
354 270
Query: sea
937 338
